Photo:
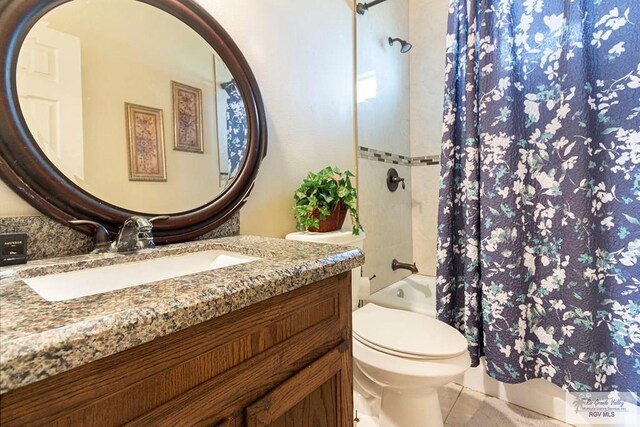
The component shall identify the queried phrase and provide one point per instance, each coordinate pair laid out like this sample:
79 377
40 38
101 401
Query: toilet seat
388 369
390 351
406 334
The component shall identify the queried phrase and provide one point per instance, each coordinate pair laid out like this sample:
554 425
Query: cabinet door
319 395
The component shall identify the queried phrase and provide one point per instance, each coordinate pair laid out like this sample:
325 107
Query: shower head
361 8
405 46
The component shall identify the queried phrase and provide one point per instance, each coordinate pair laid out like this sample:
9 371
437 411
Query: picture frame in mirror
187 118
145 142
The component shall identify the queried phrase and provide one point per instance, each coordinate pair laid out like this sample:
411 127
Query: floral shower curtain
539 222
236 127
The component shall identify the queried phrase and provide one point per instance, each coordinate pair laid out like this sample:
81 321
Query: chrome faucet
395 265
135 234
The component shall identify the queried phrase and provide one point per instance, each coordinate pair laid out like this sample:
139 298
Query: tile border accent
425 160
396 159
383 156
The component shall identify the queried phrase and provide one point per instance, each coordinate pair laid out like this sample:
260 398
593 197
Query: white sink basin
92 281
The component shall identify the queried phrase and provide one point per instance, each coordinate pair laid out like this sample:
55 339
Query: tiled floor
465 407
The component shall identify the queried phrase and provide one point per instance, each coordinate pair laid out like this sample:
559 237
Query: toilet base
399 409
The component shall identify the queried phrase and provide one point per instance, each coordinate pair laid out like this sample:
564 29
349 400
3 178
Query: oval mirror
122 107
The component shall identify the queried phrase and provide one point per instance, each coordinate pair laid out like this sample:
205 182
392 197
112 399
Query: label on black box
13 248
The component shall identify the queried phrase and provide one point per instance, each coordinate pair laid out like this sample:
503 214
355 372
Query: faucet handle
393 179
102 240
142 221
146 237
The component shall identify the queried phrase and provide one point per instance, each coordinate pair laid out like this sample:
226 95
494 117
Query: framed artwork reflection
187 118
145 140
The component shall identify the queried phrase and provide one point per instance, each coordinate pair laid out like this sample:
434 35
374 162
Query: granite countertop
39 338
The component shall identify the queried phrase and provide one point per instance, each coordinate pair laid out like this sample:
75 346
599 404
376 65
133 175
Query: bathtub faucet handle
393 179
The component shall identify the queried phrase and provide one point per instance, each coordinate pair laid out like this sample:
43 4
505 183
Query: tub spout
395 265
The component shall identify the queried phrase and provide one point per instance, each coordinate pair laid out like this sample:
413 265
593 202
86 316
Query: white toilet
400 357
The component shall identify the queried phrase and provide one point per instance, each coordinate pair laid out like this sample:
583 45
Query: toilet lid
406 333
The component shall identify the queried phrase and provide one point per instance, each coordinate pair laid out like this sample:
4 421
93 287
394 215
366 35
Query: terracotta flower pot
332 222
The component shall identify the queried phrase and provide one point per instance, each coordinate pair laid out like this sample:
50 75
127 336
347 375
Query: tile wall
383 136
428 29
424 216
387 216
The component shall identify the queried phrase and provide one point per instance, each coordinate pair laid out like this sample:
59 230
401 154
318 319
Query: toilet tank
340 237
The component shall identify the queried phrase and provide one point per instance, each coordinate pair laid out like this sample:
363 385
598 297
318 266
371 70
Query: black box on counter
13 248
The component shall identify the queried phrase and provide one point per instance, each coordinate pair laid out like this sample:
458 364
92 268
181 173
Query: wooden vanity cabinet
285 361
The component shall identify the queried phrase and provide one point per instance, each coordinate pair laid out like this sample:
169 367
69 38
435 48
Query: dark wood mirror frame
28 172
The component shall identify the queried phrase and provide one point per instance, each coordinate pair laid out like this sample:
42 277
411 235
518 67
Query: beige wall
383 124
12 205
428 28
302 55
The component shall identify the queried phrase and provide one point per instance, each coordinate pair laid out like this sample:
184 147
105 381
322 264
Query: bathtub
413 293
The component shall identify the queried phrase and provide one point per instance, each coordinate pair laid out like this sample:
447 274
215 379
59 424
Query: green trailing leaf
321 192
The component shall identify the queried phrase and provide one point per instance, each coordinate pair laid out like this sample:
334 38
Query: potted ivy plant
323 200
